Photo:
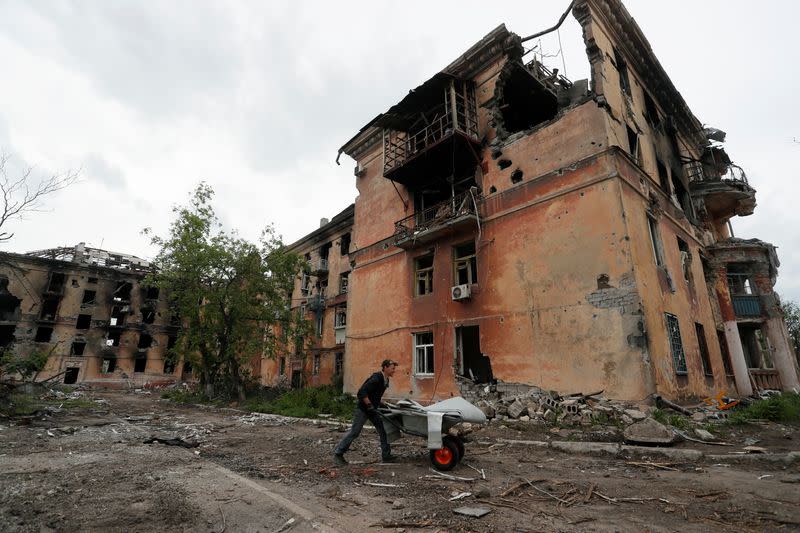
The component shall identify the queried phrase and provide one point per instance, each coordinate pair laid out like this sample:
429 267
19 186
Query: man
369 399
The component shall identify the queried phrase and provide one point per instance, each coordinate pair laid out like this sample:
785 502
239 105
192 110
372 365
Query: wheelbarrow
432 423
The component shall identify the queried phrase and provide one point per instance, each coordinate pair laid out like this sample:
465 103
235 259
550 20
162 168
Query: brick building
569 235
89 309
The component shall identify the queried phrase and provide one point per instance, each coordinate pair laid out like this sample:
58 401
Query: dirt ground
89 469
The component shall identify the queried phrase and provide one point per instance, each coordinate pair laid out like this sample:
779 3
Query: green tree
791 313
231 296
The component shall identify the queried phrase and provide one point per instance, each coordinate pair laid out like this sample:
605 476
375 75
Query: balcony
725 195
430 224
746 305
316 302
319 266
433 131
766 379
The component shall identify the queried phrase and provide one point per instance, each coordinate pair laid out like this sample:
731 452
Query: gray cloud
96 168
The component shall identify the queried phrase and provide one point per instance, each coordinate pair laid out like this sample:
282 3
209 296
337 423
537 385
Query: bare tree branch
20 196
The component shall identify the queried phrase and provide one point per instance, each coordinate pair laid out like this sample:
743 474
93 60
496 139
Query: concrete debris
476 512
705 436
649 431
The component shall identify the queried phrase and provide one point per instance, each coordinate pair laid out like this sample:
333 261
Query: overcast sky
149 98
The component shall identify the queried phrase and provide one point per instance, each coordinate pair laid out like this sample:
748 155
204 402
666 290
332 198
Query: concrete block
649 431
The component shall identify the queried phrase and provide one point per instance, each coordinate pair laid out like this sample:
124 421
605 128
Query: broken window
113 337
122 292
118 314
340 318
344 281
739 283
682 195
726 355
319 320
83 322
316 364
187 367
523 100
622 69
423 353
50 307
465 266
91 280
71 375
145 341
151 293
655 240
338 364
686 260
172 340
304 283
108 365
148 315
344 244
88 297
675 344
423 275
282 366
633 145
74 282
78 347
140 363
650 111
169 366
56 283
43 334
663 177
703 347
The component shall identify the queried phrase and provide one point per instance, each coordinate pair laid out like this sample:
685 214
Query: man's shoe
389 458
339 459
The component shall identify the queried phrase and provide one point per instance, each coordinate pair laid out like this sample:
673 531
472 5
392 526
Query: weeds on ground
307 403
28 404
783 408
676 421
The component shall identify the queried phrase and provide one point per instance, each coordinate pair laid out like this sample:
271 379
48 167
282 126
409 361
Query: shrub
307 403
783 407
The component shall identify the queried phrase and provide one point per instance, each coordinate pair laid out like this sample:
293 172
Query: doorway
472 363
71 375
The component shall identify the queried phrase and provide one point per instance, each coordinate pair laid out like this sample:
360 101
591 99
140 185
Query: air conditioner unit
460 292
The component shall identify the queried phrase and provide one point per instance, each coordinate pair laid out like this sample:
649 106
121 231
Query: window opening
663 176
43 334
340 318
675 344
703 347
633 145
423 353
74 283
472 363
56 283
140 363
83 322
145 341
650 110
465 265
423 271
655 241
71 375
344 282
726 355
89 297
282 366
338 364
682 195
151 293
49 308
344 244
113 337
108 365
118 313
7 334
122 292
91 280
320 320
622 68
316 365
686 260
77 348
148 315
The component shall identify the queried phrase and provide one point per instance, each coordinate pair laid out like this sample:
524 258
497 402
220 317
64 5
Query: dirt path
91 470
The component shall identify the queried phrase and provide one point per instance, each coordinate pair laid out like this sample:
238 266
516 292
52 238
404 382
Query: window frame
673 330
315 364
423 275
469 262
702 346
344 282
338 364
340 312
423 340
655 240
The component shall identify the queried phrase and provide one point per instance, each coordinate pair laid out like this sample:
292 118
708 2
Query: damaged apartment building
514 225
320 296
89 310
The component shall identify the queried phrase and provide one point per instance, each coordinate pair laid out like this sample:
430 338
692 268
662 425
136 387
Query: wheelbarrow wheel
446 457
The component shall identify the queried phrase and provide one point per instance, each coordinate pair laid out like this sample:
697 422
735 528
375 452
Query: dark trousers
359 419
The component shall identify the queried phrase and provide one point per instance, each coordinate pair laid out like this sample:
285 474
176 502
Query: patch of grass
674 420
659 415
783 408
185 396
307 403
19 404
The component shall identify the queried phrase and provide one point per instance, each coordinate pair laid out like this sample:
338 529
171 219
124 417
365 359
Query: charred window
465 265
118 314
650 111
663 176
523 99
83 322
122 292
49 308
113 338
109 364
43 334
423 275
78 347
89 297
145 341
633 145
140 363
703 347
56 283
622 69
344 244
682 195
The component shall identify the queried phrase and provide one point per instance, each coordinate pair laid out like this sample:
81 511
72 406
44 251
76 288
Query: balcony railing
746 305
458 207
319 265
766 379
695 172
457 114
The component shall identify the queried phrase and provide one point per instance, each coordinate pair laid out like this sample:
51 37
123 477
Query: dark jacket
373 388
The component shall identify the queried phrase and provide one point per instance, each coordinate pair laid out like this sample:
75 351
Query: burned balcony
432 131
721 185
319 266
429 224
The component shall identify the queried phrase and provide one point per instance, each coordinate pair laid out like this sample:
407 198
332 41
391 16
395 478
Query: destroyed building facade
320 295
512 224
89 309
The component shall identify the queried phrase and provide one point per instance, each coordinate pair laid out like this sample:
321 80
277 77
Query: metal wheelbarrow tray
431 423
